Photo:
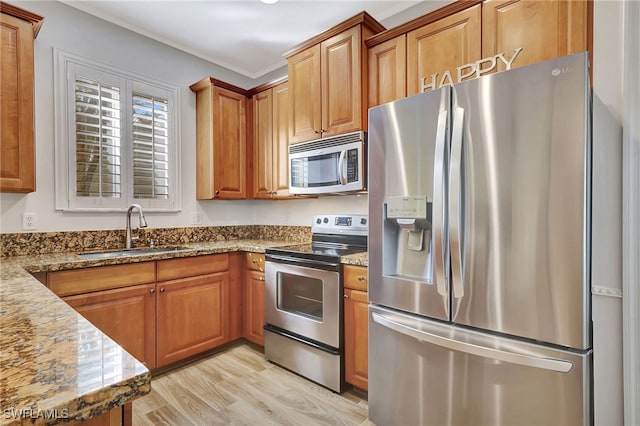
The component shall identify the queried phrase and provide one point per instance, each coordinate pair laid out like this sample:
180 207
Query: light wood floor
238 387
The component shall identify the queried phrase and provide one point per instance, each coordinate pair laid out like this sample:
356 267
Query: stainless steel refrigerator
479 251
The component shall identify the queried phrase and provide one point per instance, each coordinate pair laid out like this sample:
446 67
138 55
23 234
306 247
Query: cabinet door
341 83
356 338
192 316
254 307
127 315
304 95
229 144
543 29
280 155
388 71
441 47
263 143
17 158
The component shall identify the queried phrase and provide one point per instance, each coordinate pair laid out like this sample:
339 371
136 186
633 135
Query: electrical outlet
29 221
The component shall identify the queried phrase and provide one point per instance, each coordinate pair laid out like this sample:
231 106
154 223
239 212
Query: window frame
66 199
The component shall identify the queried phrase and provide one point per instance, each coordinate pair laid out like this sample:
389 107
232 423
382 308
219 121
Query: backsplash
24 244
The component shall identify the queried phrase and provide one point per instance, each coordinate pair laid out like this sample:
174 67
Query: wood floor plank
239 387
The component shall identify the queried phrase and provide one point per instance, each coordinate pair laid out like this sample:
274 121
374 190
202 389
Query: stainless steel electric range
303 299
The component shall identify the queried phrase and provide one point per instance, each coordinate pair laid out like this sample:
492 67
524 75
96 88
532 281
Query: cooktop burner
333 236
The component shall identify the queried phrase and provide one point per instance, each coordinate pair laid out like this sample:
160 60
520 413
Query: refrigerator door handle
439 213
552 364
455 204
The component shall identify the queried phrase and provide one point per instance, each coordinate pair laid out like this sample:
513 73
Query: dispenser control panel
407 207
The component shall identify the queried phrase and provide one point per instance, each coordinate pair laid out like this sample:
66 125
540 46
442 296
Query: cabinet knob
361 278
261 278
315 131
346 296
162 290
322 130
153 290
254 261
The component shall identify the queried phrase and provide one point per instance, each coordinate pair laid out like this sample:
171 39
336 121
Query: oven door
303 297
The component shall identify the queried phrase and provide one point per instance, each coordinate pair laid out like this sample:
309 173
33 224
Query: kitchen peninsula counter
55 366
53 362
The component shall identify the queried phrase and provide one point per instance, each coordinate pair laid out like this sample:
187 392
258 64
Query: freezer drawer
423 372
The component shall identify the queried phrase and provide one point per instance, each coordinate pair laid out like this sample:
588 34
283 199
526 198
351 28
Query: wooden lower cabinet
254 299
127 315
192 316
356 327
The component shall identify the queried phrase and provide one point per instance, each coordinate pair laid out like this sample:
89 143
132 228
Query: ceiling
245 36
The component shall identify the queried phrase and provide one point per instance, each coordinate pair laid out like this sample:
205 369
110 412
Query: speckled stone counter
53 362
54 365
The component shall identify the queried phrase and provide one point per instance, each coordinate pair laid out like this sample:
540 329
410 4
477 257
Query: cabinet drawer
191 266
255 261
75 281
355 277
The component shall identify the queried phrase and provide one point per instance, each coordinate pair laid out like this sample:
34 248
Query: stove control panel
354 224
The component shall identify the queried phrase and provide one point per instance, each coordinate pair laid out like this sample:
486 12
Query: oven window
300 295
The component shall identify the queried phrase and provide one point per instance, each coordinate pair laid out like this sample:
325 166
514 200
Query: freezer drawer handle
511 357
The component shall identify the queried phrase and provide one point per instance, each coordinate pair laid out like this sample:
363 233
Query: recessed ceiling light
269 1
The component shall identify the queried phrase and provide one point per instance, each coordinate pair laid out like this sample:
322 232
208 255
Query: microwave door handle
341 176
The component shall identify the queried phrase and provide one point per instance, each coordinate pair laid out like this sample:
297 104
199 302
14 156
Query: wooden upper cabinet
271 142
304 96
341 83
221 142
263 143
18 29
443 46
388 71
543 29
280 155
328 81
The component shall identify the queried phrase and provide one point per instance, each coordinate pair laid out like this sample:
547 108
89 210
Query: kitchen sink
131 252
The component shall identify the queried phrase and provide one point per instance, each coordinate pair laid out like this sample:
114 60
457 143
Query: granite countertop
53 362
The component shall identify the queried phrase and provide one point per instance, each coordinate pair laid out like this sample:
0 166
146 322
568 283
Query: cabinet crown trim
210 81
35 20
421 21
361 18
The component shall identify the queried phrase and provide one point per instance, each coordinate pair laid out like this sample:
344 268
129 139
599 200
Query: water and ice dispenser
407 248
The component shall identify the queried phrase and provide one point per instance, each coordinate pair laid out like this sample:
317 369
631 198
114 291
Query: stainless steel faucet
143 223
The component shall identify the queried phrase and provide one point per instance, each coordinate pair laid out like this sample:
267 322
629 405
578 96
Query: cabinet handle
162 290
153 290
361 278
346 296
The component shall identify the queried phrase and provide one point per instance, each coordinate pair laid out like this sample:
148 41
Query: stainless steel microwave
329 165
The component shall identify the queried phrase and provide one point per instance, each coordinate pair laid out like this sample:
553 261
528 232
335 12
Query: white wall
77 32
607 212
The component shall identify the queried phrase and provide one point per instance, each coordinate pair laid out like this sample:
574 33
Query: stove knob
363 221
325 220
318 221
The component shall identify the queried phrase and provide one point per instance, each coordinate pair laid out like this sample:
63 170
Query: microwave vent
329 142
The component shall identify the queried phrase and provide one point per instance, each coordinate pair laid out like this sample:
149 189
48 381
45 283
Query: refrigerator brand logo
477 69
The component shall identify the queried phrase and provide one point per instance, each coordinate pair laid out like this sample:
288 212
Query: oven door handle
307 263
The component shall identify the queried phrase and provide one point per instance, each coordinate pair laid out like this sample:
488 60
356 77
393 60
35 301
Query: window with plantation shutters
97 129
150 147
115 142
